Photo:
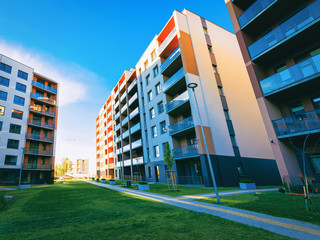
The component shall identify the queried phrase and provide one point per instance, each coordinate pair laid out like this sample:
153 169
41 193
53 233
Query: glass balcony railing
40 124
125 134
304 124
137 160
168 39
134 83
35 151
254 10
123 96
37 166
124 121
181 125
124 108
185 152
136 144
126 148
117 127
174 79
174 55
36 136
133 98
122 85
117 116
181 99
116 104
134 113
301 72
40 109
286 30
135 128
118 139
109 114
42 98
41 85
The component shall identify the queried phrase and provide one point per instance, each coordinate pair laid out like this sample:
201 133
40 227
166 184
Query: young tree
64 166
169 160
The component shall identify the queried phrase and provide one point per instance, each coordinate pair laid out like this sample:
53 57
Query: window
234 141
164 147
18 100
3 96
154 131
20 87
240 169
12 143
10 160
156 151
149 172
4 81
148 79
150 96
146 65
22 75
1 123
205 30
160 107
6 68
221 92
215 69
2 110
15 128
163 127
227 115
153 55
17 114
152 113
155 71
158 89
315 162
210 49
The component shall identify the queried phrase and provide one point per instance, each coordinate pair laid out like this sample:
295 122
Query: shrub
3 202
103 179
97 180
281 190
246 181
143 183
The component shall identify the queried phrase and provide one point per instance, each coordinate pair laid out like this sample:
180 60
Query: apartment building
191 49
279 41
28 120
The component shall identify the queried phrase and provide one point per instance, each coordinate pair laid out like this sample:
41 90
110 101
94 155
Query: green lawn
273 203
85 211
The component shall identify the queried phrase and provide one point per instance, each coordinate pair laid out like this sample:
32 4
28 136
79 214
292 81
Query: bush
97 180
246 181
103 179
3 202
143 183
281 190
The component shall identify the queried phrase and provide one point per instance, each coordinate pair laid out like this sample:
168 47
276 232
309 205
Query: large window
3 96
10 160
163 127
160 107
4 81
6 68
12 143
156 151
2 110
17 114
152 113
22 75
20 87
18 100
15 128
154 131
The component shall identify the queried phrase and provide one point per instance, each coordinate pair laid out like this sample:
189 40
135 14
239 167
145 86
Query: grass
273 203
85 211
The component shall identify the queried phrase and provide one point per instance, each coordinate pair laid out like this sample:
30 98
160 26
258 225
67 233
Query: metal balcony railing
134 83
303 124
42 98
301 72
45 87
136 144
35 151
40 109
37 166
134 112
185 152
181 99
40 124
133 98
173 79
135 128
35 136
181 125
174 55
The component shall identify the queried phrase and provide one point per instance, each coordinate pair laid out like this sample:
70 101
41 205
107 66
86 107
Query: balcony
137 160
38 123
41 110
40 97
123 108
125 121
136 144
109 124
122 85
131 86
307 123
168 39
45 87
164 67
118 139
126 148
118 151
111 155
134 113
116 104
110 134
34 151
181 126
109 105
35 136
125 134
109 115
301 72
186 152
123 96
135 128
287 30
253 11
177 102
37 166
110 144
173 80
133 98
117 116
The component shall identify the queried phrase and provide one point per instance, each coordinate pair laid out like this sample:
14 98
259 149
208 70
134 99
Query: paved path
6 188
283 226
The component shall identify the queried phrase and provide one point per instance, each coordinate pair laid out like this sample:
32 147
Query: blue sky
86 45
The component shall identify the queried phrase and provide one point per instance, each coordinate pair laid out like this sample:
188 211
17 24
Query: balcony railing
181 99
135 128
123 96
125 134
118 138
40 124
133 98
186 152
134 83
122 85
109 124
286 30
110 134
126 148
134 112
137 160
254 10
125 120
39 109
301 72
176 53
41 85
42 98
168 39
36 136
35 151
124 108
304 124
116 104
117 116
181 125
136 144
173 80
37 166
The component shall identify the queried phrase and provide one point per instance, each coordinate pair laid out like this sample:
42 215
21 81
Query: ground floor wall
9 176
37 177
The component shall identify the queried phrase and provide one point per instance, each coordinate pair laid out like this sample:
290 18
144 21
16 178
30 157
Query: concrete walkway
7 189
286 227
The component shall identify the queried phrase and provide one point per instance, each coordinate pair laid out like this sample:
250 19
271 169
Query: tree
64 165
169 160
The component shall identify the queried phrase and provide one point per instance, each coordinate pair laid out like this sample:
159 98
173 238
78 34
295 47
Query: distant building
82 168
28 123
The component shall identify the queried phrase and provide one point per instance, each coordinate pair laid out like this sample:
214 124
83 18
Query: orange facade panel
166 31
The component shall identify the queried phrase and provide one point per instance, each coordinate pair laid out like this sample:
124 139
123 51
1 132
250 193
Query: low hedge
246 181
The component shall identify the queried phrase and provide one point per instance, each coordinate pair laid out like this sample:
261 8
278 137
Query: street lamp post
193 86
